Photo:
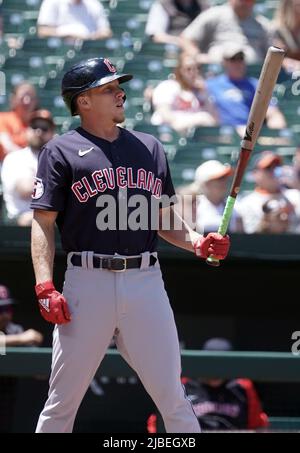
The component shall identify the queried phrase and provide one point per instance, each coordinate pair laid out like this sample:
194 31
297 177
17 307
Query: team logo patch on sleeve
38 189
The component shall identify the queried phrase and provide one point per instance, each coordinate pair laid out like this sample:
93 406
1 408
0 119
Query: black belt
114 264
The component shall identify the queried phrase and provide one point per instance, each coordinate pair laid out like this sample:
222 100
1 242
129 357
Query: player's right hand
213 244
52 304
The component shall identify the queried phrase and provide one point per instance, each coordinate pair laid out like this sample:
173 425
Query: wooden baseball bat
267 80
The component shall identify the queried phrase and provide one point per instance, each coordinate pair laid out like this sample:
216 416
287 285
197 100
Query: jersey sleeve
157 21
202 29
102 20
50 185
48 14
9 173
165 93
168 188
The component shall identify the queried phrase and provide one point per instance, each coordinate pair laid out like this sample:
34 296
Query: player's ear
83 102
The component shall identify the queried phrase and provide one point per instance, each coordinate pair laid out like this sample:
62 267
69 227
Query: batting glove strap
52 304
45 286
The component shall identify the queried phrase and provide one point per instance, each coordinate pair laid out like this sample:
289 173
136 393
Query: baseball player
113 284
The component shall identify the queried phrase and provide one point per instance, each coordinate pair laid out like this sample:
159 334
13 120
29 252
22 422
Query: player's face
266 179
243 8
216 189
235 67
189 70
39 133
107 102
25 98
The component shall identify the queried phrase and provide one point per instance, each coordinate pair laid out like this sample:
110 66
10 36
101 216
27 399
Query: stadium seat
19 22
27 5
151 69
154 50
23 66
216 134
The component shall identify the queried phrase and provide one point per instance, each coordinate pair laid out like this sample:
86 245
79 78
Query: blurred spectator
290 174
276 216
220 404
14 335
19 168
267 187
233 22
74 19
183 102
233 91
13 124
212 178
168 18
287 32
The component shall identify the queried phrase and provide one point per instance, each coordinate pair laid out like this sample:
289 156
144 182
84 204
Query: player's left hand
213 244
52 304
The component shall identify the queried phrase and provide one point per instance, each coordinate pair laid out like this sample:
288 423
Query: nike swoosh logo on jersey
83 152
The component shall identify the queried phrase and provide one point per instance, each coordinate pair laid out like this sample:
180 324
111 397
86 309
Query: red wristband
45 286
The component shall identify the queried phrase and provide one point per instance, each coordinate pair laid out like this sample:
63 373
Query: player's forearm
167 38
176 231
188 45
101 34
44 31
13 340
42 247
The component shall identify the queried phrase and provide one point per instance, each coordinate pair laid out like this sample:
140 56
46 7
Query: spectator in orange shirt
13 124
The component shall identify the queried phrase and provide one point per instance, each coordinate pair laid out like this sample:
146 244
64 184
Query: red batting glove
213 244
52 304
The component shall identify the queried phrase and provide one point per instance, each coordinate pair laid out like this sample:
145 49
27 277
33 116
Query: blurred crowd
232 35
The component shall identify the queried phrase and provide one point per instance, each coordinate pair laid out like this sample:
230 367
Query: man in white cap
212 179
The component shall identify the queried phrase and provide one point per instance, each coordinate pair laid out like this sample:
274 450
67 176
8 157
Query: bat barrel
259 107
263 94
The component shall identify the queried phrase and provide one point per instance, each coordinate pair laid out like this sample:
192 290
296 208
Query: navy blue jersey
78 171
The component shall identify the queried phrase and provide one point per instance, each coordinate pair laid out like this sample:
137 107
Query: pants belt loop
84 260
157 261
145 261
89 260
69 262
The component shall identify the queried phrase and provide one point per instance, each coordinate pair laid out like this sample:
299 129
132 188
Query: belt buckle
114 263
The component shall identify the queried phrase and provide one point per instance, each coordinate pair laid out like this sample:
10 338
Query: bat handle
212 260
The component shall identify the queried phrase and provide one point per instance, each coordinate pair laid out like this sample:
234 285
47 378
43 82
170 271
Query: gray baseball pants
133 306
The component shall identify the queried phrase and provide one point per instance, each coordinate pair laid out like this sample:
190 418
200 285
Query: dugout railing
270 367
259 366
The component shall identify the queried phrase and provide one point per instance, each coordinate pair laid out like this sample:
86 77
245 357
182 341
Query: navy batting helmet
86 75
